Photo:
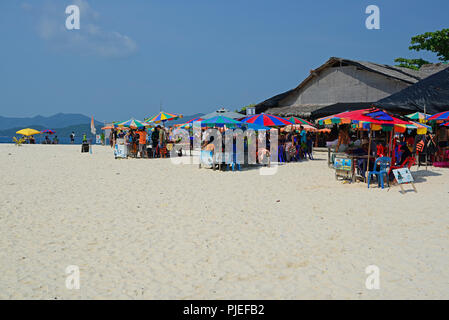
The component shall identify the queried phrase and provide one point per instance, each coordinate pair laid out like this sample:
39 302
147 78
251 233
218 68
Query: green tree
414 64
243 110
437 42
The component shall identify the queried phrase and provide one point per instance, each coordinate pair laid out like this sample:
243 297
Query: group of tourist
296 145
47 140
138 141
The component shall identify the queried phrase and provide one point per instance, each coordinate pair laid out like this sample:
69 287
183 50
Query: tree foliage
437 42
414 64
243 110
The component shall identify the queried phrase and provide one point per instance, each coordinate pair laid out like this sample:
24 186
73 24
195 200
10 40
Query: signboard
404 176
98 139
343 164
120 151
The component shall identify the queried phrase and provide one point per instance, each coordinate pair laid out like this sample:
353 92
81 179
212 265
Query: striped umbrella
296 120
195 119
418 116
445 124
365 116
188 124
48 131
421 128
267 120
442 116
163 116
132 123
220 121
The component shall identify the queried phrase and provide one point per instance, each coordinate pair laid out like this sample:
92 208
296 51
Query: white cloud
90 39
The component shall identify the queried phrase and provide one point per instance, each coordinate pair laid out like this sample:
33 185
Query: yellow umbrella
28 132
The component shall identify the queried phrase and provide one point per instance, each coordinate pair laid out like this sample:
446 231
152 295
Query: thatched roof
274 105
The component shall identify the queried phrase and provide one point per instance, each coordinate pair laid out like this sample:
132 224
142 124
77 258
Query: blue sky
194 56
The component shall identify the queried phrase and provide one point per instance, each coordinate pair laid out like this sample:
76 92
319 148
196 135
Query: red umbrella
48 131
296 120
267 120
195 119
440 116
371 115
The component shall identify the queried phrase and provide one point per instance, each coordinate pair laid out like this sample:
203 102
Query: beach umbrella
195 119
442 116
418 116
445 124
220 121
188 124
48 131
132 123
267 120
420 127
28 132
163 116
296 120
255 126
371 116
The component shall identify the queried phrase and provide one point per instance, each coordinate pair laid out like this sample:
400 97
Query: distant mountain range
62 123
60 120
79 130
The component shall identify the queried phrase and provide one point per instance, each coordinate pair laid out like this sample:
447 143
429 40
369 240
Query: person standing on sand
72 137
142 142
155 140
162 140
343 139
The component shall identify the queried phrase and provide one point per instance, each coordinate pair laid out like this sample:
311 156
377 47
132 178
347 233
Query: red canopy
371 115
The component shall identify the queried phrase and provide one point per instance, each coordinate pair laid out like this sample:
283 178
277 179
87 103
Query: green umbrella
220 121
132 123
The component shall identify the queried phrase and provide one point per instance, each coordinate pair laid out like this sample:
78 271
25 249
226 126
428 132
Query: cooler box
85 147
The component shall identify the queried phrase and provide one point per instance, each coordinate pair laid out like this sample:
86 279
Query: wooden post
390 151
369 151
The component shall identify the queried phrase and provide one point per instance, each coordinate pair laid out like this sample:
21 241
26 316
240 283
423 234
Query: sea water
62 140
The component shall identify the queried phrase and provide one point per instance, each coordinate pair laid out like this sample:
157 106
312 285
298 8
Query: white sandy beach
148 229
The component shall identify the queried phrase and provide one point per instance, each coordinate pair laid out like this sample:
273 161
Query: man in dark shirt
155 141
